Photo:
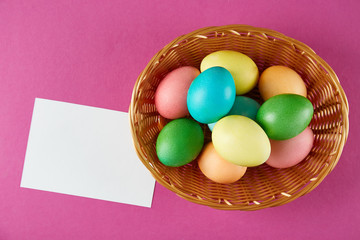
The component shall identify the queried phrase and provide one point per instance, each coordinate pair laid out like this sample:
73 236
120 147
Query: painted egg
242 68
284 116
170 95
211 95
241 141
218 169
179 142
277 80
244 106
288 153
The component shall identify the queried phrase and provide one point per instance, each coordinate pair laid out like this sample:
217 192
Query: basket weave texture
262 186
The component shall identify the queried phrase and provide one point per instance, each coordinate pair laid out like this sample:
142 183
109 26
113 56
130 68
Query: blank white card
84 151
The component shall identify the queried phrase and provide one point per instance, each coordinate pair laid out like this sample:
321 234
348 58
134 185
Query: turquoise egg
243 106
211 95
285 116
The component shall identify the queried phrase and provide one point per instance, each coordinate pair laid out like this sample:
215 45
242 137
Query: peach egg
218 169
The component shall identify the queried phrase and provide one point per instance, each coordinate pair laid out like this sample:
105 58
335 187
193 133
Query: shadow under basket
262 186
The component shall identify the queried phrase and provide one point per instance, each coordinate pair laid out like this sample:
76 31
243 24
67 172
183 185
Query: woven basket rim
266 33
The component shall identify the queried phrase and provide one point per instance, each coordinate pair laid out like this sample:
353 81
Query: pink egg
288 153
170 96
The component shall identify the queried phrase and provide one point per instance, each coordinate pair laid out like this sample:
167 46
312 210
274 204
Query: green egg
179 142
285 116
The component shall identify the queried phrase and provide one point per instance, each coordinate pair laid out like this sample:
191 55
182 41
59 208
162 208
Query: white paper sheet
84 151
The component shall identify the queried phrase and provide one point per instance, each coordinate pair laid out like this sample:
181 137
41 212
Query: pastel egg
241 141
216 168
179 142
244 106
277 80
211 95
170 95
242 68
285 116
288 153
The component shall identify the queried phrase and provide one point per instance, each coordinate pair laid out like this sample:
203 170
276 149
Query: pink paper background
91 52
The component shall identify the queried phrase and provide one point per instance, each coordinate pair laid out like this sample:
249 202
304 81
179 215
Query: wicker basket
262 186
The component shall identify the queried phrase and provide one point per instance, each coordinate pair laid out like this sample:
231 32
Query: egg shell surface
244 106
218 169
288 153
285 116
240 140
179 142
278 79
170 95
242 68
211 95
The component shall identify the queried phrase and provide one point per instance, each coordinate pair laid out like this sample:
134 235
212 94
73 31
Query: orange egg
218 169
277 80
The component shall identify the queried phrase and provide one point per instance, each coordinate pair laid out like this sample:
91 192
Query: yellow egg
242 68
277 80
218 169
240 140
